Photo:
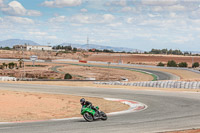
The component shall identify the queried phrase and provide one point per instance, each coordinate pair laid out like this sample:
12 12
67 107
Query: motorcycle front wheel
103 116
88 117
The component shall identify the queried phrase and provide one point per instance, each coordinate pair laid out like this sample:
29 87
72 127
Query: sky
137 24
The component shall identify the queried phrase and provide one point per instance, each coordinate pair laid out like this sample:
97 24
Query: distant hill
101 47
11 42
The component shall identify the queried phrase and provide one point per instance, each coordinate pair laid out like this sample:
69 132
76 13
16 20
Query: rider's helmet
82 100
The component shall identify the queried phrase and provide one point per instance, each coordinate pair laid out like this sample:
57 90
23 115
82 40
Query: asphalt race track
166 111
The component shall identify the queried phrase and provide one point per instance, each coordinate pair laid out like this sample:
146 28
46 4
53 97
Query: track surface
166 111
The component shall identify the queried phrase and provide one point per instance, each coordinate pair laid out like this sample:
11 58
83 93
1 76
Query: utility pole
87 43
109 71
192 60
24 63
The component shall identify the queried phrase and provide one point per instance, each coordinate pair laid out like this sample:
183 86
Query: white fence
8 79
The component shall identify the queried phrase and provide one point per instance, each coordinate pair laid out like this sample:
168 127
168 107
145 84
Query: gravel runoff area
24 106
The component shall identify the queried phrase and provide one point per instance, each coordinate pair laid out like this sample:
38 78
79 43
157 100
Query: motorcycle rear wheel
88 117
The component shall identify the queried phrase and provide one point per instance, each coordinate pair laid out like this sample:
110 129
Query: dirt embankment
40 70
24 106
105 73
17 54
44 71
144 59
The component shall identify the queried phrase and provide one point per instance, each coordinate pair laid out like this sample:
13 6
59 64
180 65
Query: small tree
75 49
68 76
4 65
11 65
161 64
171 63
20 62
196 64
183 64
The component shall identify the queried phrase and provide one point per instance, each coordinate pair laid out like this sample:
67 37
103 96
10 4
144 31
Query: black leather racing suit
89 104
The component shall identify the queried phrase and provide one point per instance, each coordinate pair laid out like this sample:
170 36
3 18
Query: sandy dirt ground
105 73
23 106
186 131
145 59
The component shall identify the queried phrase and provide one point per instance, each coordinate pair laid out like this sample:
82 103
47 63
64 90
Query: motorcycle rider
88 104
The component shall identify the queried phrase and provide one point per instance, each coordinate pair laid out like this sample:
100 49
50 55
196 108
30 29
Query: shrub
183 64
161 64
196 64
68 76
171 63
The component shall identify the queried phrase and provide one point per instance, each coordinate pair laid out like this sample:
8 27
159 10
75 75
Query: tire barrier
8 79
158 84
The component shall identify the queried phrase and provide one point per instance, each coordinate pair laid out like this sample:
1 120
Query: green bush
196 64
183 64
161 64
68 76
171 63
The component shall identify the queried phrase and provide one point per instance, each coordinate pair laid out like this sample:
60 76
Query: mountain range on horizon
12 42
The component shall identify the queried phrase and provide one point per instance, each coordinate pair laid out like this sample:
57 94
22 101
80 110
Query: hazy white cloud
1 3
115 24
159 2
173 15
62 3
92 19
58 19
38 33
153 15
130 20
16 9
84 10
176 8
126 9
157 8
107 18
51 37
33 13
19 20
116 3
183 39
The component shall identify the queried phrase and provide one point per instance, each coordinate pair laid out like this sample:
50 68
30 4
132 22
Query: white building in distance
32 47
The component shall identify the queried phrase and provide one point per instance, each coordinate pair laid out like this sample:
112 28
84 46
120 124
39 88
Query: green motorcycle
90 114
